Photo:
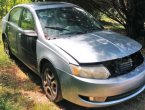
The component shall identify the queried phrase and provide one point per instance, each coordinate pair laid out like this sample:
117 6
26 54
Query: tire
7 48
51 83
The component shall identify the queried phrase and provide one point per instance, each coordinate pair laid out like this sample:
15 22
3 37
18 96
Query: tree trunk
132 28
134 22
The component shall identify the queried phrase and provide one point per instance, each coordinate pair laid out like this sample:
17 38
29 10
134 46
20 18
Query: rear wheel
7 48
51 83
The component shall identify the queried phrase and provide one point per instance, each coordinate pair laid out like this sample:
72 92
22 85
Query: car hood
97 46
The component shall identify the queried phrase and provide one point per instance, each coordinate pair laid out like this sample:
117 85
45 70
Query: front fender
57 60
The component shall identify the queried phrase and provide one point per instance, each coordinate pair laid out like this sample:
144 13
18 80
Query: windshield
66 21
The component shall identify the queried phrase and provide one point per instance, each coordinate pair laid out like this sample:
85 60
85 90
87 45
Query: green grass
45 107
11 99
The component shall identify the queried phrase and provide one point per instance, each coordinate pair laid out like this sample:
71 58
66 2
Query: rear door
12 28
27 39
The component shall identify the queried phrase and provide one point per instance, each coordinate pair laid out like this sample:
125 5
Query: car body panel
27 49
98 46
79 49
46 51
102 88
11 33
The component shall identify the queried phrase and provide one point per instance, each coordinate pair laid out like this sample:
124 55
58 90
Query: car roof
43 5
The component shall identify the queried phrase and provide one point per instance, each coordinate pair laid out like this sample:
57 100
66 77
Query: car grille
124 65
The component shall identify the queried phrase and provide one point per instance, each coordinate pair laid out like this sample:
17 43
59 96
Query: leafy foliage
6 5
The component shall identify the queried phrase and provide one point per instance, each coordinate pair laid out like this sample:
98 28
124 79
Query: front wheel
51 83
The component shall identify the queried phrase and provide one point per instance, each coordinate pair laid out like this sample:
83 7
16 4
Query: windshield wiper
57 28
74 32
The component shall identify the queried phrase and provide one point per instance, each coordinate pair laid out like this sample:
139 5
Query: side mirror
30 33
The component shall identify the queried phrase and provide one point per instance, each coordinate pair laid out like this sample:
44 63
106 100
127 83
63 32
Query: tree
129 13
6 5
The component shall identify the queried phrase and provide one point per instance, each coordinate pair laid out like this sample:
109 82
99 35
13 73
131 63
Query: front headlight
93 72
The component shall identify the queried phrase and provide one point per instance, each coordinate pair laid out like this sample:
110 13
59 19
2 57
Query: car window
66 20
27 20
15 15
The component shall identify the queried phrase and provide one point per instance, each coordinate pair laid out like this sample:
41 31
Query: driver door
27 39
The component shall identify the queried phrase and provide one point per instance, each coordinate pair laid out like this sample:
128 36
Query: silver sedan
75 57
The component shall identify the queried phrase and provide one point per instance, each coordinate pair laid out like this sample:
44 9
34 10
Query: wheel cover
50 84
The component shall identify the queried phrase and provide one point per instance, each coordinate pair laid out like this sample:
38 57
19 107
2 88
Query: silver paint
87 48
75 86
98 46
